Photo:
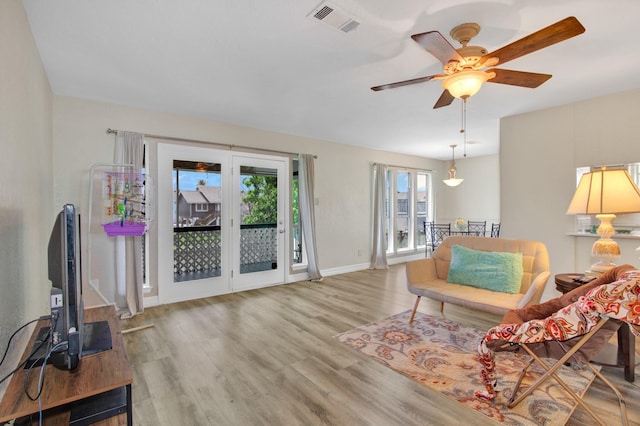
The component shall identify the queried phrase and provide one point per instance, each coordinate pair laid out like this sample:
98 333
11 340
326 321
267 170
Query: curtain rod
230 147
403 167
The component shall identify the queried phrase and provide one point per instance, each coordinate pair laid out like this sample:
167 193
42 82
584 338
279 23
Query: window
202 207
408 205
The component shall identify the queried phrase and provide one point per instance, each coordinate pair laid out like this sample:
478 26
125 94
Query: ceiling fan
466 68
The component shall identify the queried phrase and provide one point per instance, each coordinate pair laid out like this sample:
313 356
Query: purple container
130 229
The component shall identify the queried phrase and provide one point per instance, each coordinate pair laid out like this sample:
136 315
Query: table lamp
605 193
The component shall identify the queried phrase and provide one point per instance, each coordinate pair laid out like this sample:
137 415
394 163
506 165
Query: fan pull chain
463 130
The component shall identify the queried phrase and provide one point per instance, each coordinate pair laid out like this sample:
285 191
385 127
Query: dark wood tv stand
96 375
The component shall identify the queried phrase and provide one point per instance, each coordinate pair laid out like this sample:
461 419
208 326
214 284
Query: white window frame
413 231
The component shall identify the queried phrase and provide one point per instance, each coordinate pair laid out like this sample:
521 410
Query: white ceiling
267 64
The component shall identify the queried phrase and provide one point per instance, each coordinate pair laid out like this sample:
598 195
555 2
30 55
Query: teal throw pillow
490 270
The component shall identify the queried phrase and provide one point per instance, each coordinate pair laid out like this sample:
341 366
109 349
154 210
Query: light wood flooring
269 357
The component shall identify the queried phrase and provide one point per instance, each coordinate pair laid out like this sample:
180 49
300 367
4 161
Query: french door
258 227
221 221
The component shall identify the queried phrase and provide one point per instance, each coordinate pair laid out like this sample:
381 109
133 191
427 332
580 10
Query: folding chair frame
550 371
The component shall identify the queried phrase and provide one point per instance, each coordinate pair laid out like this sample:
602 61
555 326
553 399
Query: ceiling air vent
334 16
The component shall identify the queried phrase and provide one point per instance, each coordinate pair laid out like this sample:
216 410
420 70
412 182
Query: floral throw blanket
618 300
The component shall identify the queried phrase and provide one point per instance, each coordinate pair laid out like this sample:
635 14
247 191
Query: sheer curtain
307 213
379 250
129 149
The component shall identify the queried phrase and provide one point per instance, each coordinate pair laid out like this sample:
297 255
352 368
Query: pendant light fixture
452 181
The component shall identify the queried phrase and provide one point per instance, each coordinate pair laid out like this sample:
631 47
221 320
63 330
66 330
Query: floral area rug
441 354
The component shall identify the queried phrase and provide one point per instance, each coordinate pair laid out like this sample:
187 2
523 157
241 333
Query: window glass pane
387 209
259 194
403 210
196 190
197 205
296 234
259 214
421 208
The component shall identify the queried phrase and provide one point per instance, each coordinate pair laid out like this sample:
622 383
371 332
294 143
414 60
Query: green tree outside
261 198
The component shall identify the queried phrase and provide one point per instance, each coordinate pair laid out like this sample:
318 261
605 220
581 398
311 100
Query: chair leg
550 371
626 351
441 307
516 386
415 308
621 401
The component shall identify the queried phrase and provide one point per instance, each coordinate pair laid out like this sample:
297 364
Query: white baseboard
362 266
344 269
403 259
151 301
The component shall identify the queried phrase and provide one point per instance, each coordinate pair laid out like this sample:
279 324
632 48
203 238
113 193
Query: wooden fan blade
404 83
518 78
555 33
438 46
444 100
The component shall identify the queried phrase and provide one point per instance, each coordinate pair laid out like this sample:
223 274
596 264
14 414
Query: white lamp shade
466 83
452 182
605 191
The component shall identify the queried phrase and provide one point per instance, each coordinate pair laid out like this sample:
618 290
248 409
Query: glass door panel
193 241
196 224
259 212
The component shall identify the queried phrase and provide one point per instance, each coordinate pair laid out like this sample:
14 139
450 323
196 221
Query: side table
100 374
626 357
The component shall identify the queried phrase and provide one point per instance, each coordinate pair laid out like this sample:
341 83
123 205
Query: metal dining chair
495 230
439 231
427 237
477 229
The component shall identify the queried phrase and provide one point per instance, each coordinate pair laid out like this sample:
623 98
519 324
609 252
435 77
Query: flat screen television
65 274
69 338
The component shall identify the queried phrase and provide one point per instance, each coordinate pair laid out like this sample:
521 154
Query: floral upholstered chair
617 300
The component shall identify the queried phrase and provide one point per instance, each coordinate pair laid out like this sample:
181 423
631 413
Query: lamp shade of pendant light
466 83
452 181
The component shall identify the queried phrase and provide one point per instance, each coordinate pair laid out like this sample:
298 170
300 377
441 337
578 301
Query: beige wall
539 153
26 178
478 196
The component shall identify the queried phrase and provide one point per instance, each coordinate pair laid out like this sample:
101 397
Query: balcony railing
197 250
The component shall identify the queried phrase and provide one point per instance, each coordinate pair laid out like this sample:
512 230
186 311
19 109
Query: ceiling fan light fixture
466 83
452 181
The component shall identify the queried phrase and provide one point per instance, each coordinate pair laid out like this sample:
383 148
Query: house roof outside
211 193
202 195
193 197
